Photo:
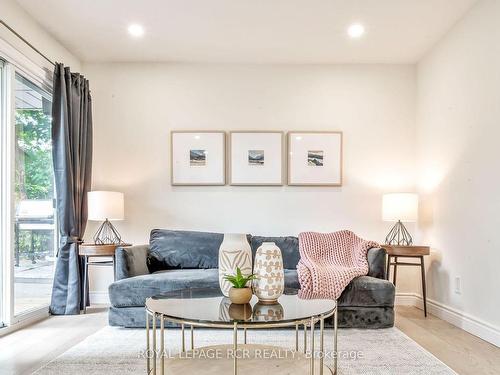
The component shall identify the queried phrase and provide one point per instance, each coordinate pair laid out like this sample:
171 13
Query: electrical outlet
458 286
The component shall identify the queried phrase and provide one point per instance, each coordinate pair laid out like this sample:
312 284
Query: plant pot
268 267
234 252
240 296
240 311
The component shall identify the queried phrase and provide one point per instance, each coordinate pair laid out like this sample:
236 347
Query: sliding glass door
4 215
28 237
34 216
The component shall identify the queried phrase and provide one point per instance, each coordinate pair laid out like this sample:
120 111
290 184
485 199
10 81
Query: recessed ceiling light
356 30
136 30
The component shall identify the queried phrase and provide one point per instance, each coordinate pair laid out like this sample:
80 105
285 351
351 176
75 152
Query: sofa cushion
134 290
368 291
184 249
289 247
131 261
362 291
291 279
376 262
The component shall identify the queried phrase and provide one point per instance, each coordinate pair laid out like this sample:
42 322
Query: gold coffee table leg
162 344
296 337
312 347
335 341
321 345
192 337
154 343
235 348
148 358
183 339
305 338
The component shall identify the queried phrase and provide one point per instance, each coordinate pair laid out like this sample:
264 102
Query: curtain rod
25 41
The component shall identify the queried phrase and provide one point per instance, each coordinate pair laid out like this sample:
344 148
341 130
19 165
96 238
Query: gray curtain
72 158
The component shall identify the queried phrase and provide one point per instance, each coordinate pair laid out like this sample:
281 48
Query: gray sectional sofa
185 259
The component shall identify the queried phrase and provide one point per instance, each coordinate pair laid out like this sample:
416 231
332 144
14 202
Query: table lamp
399 208
106 205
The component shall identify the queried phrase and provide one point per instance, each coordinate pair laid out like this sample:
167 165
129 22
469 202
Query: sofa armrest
131 261
376 262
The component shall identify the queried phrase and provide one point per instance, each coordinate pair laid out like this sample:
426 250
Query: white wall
136 106
458 132
15 16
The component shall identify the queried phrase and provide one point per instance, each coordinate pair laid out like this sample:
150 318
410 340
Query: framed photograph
315 158
197 157
256 158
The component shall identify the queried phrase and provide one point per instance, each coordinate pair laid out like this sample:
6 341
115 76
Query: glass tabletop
208 305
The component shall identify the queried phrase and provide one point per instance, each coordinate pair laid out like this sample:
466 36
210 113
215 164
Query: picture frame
256 158
197 157
315 158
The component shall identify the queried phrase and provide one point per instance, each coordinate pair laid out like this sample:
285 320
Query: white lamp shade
104 205
400 206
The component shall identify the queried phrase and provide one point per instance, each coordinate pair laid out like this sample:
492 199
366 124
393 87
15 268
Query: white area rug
120 351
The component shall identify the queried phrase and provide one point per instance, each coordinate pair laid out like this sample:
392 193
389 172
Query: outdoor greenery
33 176
34 179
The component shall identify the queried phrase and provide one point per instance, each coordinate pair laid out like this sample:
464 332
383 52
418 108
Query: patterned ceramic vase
270 282
234 252
265 312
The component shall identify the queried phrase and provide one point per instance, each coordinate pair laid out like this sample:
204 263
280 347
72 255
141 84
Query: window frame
13 62
4 195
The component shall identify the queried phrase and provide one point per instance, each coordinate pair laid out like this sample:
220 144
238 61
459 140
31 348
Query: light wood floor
26 350
463 352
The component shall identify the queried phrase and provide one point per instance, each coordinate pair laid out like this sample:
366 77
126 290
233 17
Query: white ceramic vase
268 268
234 252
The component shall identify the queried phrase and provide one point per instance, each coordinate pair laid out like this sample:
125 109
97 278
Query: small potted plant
240 293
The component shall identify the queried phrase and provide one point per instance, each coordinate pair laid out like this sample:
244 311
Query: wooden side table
416 252
89 251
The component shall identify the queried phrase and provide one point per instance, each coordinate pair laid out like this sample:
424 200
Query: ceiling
248 31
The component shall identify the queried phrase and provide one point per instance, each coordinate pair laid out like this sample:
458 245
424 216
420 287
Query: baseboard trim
406 299
99 298
468 323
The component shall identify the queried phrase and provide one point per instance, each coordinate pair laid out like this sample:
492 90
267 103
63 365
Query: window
28 235
34 214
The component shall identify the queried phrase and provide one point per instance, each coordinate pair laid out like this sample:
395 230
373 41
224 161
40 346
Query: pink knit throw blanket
329 261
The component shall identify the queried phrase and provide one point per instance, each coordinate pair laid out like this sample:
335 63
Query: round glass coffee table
207 307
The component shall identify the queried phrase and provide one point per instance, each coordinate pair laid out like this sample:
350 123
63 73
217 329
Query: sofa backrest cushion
289 247
185 249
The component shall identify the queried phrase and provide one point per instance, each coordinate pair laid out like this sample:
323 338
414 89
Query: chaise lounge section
186 259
